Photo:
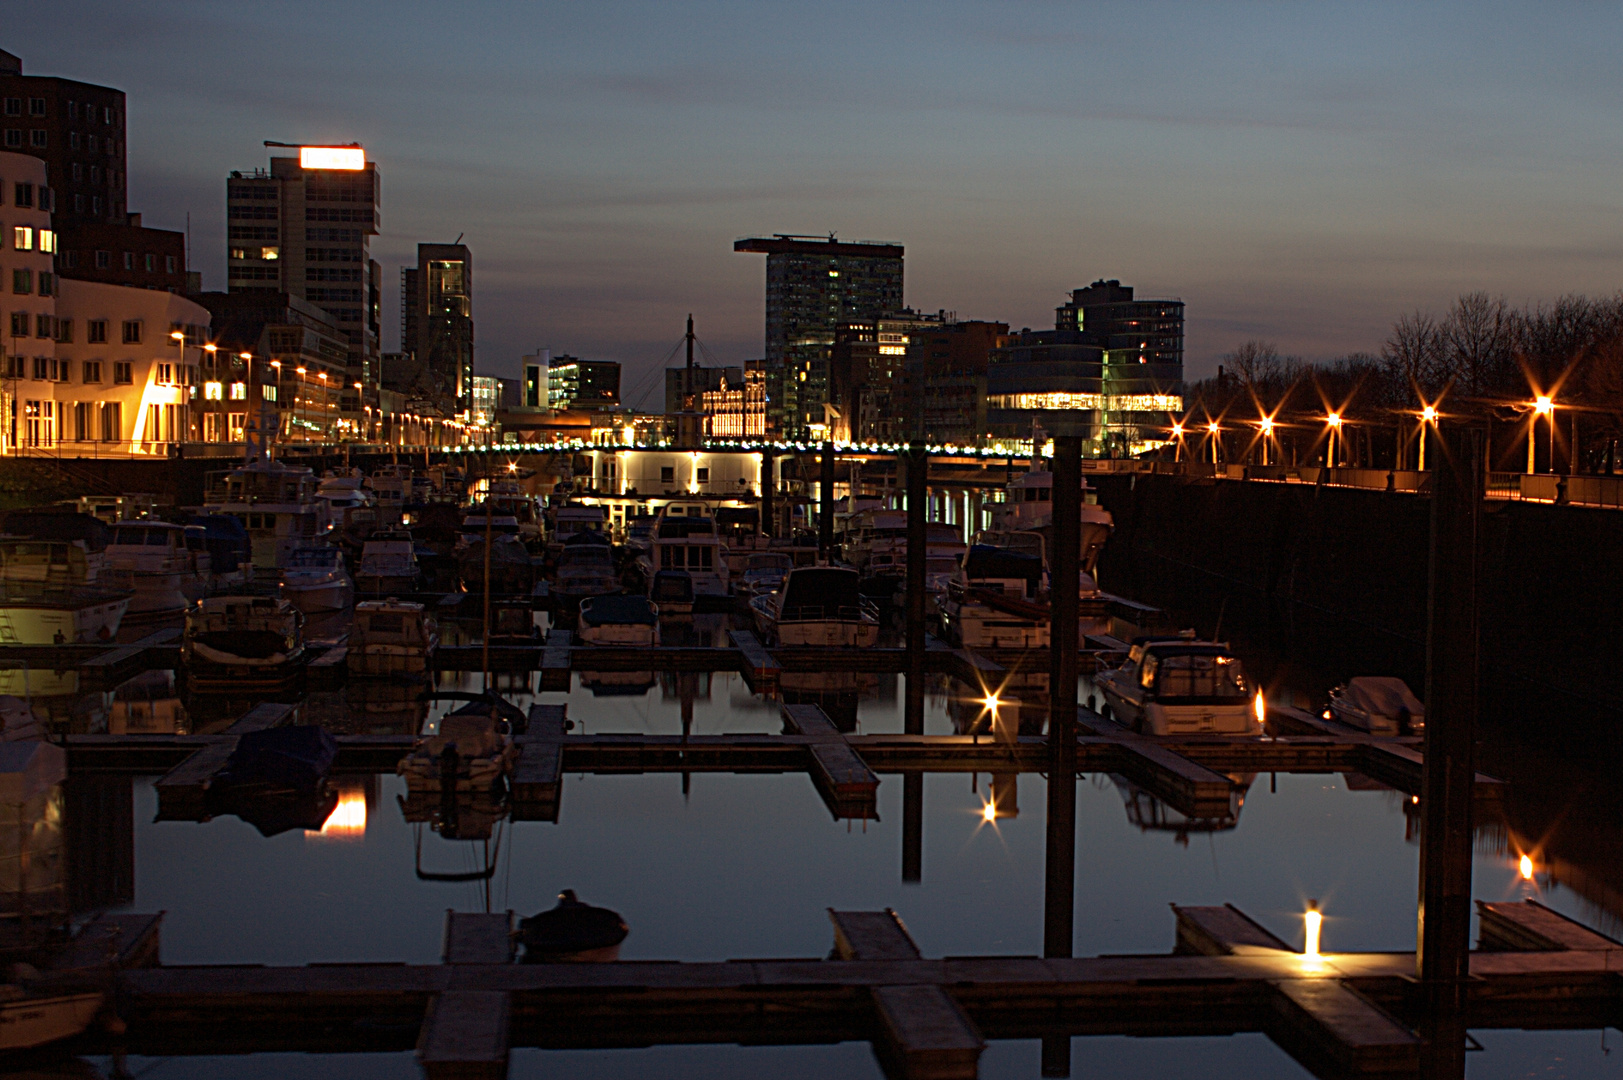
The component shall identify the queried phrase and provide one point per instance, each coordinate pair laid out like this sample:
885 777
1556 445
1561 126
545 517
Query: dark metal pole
768 510
1059 898
1443 953
825 503
918 481
912 827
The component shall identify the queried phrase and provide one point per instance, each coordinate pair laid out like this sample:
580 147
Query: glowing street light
1214 429
1525 868
1334 421
1313 921
1543 405
1428 415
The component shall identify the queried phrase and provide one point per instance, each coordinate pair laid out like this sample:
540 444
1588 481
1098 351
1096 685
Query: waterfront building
436 330
291 380
815 285
680 382
736 408
486 399
1113 365
303 227
533 388
912 375
573 383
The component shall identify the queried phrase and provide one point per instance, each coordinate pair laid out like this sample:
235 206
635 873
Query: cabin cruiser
391 492
1380 705
509 502
166 568
818 605
573 519
585 568
1175 686
763 572
995 600
349 501
510 569
230 551
391 638
388 564
53 592
243 643
1029 506
276 503
619 620
472 751
316 580
672 591
685 539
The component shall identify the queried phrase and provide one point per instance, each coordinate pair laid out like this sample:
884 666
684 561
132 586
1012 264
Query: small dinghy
572 933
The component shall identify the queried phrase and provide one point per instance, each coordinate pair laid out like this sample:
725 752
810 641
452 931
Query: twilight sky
1301 172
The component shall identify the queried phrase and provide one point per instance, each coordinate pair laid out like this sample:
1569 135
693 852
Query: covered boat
672 590
1380 705
471 751
619 620
511 571
391 637
295 757
763 572
572 932
388 564
243 643
994 600
818 605
586 568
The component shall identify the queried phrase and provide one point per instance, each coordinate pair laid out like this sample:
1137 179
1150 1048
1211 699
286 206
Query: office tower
304 227
1113 365
436 329
586 384
813 286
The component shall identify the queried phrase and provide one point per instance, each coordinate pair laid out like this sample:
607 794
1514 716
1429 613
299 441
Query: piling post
825 503
918 480
768 510
1443 952
1059 901
912 827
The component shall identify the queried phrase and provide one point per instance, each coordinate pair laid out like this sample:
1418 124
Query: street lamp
1543 405
1214 429
1177 433
1267 426
1334 420
1428 416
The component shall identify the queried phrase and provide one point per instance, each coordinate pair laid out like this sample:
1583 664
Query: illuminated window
47 241
213 391
22 238
239 391
270 253
268 393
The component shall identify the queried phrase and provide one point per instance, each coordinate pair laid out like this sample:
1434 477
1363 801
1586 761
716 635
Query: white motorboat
818 605
388 564
619 620
51 595
349 500
1175 686
316 580
1380 705
392 637
278 505
685 538
243 643
166 568
29 1019
1029 506
571 520
996 600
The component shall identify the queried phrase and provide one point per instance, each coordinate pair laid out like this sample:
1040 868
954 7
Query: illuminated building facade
304 227
486 397
815 285
736 408
913 375
573 383
436 329
1113 365
292 384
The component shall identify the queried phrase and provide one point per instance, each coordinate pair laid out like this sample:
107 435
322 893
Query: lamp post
326 427
1428 416
1177 447
1214 429
1543 405
1334 421
1267 426
179 338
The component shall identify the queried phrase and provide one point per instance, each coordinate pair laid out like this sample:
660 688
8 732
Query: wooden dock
1340 1014
757 666
555 661
537 780
844 780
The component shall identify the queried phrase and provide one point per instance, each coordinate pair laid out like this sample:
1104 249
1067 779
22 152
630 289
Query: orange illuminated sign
352 158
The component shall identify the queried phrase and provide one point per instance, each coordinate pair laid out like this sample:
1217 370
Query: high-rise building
1113 368
77 129
813 286
304 227
436 329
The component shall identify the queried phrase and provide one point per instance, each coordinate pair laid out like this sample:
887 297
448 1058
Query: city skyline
1300 177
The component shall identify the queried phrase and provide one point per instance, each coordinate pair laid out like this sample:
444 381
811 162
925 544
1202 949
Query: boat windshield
316 557
770 562
1194 675
138 535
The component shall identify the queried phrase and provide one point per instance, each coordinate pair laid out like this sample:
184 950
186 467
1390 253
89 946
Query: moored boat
315 580
1174 686
30 1018
391 638
619 620
572 932
818 605
243 643
1380 705
686 539
585 568
277 505
672 591
471 751
50 594
388 564
994 600
166 568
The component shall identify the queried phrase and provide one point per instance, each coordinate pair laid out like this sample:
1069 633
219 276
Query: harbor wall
1336 578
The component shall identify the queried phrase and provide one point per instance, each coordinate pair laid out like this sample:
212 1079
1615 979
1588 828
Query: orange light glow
1267 425
1312 921
989 811
1543 405
1177 429
1212 427
1429 413
1526 868
991 702
349 158
1334 420
1261 708
348 819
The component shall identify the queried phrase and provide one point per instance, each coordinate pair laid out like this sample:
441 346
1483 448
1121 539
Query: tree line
1482 357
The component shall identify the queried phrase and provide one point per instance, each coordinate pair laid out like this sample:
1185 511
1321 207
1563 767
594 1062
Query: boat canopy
673 587
1383 695
624 610
1184 672
825 588
57 525
983 562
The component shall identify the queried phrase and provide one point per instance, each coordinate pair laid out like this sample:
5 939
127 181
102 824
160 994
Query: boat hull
976 626
30 1022
46 622
325 596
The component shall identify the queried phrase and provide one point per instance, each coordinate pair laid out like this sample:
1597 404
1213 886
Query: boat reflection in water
148 704
837 693
1151 814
